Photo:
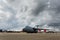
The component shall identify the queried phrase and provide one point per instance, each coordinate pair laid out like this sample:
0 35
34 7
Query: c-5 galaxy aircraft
29 29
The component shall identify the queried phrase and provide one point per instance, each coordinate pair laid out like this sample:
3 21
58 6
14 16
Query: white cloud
4 16
24 11
5 1
1 6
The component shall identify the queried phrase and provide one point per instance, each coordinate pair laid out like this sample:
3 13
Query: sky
16 14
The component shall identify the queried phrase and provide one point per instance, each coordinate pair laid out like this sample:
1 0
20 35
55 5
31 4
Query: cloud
20 13
1 6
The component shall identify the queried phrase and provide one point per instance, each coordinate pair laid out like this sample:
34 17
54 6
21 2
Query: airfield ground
29 36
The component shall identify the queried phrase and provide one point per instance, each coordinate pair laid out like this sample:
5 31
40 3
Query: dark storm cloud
55 7
54 11
41 4
38 9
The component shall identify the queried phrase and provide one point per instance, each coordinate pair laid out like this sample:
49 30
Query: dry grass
29 36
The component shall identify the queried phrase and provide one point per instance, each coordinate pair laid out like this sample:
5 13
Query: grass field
29 36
